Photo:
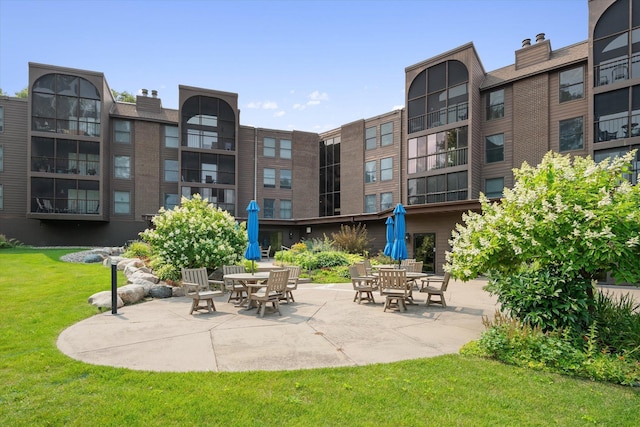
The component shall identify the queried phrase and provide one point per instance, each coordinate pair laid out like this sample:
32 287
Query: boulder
147 285
131 294
178 291
92 258
161 291
103 300
139 274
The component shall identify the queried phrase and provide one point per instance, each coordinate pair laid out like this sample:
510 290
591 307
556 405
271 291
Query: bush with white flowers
564 222
194 234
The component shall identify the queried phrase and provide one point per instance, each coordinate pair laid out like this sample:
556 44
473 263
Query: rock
178 291
147 285
92 258
103 300
131 294
142 275
161 291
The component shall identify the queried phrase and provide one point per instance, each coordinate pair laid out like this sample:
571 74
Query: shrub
138 249
319 245
618 322
8 243
352 239
331 259
195 234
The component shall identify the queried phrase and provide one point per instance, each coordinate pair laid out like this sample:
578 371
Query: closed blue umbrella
253 248
399 250
389 246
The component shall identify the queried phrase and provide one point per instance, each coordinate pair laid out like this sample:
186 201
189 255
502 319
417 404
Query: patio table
253 282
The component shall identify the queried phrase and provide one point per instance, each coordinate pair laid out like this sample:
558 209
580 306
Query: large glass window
121 202
438 188
122 131
65 156
223 198
269 148
386 169
122 167
617 116
495 104
329 179
371 138
386 134
386 201
493 187
494 145
268 208
171 136
171 170
285 209
370 202
285 149
571 134
65 104
572 84
171 200
438 150
285 178
208 123
208 168
269 178
370 171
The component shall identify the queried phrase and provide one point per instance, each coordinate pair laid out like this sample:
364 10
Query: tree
123 96
24 93
194 234
2 93
565 222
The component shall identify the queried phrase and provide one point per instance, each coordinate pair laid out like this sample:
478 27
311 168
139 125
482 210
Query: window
171 136
571 132
122 131
438 150
1 119
269 178
493 187
386 134
285 149
285 178
285 209
329 179
171 170
495 104
371 140
370 171
572 84
1 197
370 203
494 145
438 188
386 201
208 123
171 200
386 169
121 203
122 167
269 149
1 159
268 208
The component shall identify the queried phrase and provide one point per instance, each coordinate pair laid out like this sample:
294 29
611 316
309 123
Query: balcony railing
452 114
618 128
614 71
65 165
445 159
65 205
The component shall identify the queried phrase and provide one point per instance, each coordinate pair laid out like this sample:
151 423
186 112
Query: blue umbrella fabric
389 246
399 250
253 248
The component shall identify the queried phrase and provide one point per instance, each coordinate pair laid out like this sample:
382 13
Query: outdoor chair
196 284
362 285
365 274
406 262
393 286
441 287
237 290
415 267
292 283
266 253
272 293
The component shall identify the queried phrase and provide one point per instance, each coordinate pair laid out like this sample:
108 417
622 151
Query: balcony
610 72
616 128
443 116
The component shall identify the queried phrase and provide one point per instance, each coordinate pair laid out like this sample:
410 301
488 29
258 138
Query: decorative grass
41 296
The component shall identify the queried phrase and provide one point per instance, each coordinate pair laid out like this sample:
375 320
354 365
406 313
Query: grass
41 296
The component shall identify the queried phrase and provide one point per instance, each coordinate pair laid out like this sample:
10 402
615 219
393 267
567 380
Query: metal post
114 287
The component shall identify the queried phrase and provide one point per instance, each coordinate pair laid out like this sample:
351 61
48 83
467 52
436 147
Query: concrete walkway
323 328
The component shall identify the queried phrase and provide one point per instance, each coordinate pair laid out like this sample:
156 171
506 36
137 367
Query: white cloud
313 102
299 107
397 107
318 96
267 105
279 113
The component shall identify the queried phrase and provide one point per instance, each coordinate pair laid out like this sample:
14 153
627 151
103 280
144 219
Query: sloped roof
559 58
127 109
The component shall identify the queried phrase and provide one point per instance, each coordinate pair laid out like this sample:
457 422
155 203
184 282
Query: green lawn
40 296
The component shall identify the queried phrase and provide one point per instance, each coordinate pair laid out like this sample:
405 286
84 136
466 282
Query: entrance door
424 248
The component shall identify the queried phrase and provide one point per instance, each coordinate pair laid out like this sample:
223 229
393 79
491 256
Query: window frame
268 150
166 169
494 110
493 195
383 196
370 176
489 159
569 97
117 202
270 177
290 179
384 171
283 209
121 168
269 208
371 138
370 203
168 138
386 135
562 135
120 132
287 151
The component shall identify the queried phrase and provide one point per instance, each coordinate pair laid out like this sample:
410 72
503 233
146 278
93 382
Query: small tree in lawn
564 222
194 234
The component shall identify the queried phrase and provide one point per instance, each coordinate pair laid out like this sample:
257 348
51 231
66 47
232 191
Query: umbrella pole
253 266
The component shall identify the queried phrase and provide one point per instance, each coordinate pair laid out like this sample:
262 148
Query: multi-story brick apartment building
78 168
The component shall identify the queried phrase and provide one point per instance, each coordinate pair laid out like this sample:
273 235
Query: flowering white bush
195 234
577 216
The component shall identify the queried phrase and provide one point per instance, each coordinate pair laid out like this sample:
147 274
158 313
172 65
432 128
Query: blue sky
304 65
